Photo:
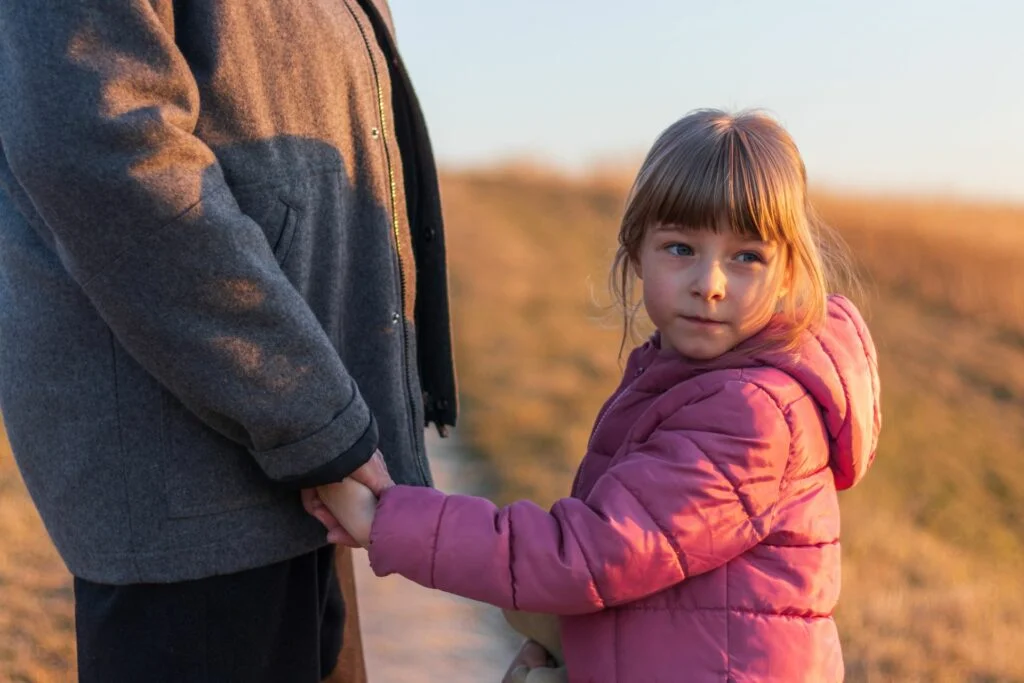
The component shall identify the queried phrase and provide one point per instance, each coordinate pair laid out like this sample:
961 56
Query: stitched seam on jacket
437 534
124 459
787 415
728 649
839 374
738 610
747 510
615 648
680 558
780 546
805 477
590 570
761 613
512 559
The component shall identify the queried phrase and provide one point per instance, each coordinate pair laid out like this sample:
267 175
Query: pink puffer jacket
701 541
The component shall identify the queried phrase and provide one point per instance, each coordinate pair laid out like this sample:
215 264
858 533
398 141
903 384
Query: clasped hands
347 508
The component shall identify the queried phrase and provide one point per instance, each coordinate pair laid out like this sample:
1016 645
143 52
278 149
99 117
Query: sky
890 96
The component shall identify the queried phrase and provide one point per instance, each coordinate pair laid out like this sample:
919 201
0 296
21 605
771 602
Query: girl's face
707 291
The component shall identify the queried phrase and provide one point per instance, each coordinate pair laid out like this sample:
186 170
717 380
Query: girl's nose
708 282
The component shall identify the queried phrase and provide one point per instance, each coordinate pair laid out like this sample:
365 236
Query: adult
222 281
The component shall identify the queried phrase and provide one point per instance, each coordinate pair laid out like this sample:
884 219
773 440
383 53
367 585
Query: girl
701 539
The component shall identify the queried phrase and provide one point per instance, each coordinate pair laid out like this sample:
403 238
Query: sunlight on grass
931 538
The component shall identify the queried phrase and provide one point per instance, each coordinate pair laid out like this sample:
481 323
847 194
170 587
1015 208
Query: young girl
701 539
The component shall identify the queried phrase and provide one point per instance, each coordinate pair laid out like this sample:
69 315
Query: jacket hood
838 366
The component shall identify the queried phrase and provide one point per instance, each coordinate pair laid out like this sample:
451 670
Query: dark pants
276 624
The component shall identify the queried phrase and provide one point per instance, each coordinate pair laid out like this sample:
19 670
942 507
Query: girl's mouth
699 320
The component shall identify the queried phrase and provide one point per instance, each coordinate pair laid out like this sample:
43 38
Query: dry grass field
934 537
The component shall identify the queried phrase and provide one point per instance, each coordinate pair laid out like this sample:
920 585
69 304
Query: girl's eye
749 257
677 249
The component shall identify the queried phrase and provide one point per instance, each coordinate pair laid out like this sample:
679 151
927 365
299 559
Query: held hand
531 656
374 474
335 531
352 504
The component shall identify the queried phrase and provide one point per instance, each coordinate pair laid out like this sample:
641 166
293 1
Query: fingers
308 498
531 655
374 474
315 507
373 478
322 512
517 675
354 505
336 533
341 537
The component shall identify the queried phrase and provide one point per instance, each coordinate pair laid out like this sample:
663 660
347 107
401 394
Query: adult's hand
374 474
336 533
531 656
354 505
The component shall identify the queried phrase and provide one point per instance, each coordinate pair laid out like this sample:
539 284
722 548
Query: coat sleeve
97 124
700 490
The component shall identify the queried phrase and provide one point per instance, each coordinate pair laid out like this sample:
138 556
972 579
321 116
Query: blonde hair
743 170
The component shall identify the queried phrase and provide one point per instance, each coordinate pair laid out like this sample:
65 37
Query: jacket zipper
628 388
611 406
396 230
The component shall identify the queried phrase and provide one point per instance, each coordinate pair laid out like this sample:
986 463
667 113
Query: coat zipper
382 115
396 231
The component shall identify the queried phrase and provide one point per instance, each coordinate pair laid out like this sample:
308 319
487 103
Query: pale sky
893 96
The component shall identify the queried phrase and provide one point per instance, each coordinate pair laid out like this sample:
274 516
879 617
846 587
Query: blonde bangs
715 175
717 171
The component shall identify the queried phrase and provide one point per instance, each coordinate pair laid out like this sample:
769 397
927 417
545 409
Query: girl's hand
531 656
354 505
335 531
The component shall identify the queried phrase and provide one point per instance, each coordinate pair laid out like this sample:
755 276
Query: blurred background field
934 537
904 111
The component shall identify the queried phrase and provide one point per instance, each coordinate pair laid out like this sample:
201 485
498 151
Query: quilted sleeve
699 490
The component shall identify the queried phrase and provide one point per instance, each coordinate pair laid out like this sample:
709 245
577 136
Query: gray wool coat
222 273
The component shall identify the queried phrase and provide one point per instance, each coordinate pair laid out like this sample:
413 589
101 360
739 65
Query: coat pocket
276 212
287 235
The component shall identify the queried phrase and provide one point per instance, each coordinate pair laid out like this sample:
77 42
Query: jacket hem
263 539
343 465
307 455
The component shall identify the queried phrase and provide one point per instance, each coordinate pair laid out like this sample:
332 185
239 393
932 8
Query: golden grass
36 613
962 257
932 537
